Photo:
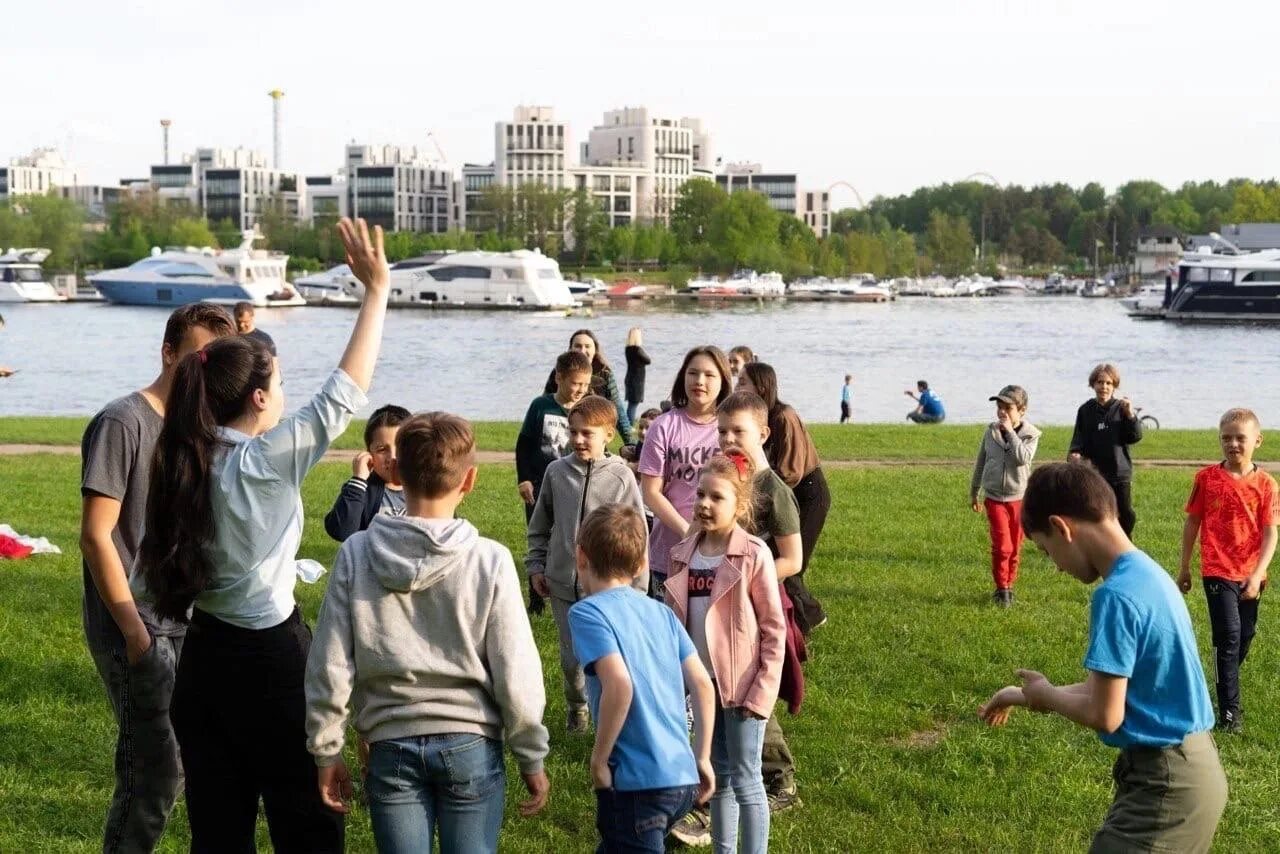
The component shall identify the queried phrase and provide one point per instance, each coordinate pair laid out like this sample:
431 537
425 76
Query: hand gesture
1003 420
1184 581
1035 688
538 581
1253 587
525 488
996 710
601 773
1126 407
539 788
706 782
362 465
6 372
366 256
335 786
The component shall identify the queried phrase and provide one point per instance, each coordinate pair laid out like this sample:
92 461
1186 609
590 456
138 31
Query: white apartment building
815 211
324 199
666 150
36 174
236 184
399 188
531 149
468 193
781 188
616 189
94 198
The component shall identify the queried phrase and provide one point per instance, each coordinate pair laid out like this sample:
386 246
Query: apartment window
631 145
601 182
622 182
622 204
619 146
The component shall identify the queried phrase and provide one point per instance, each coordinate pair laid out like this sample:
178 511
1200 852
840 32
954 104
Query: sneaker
1002 597
1232 721
579 722
783 799
694 829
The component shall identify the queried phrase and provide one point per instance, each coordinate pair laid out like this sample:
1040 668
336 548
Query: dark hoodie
1103 435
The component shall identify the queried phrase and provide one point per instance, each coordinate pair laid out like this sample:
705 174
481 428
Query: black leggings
239 714
1124 504
814 499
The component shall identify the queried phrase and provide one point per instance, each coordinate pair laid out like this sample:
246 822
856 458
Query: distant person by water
846 399
603 382
739 357
929 409
5 371
1106 426
246 326
637 361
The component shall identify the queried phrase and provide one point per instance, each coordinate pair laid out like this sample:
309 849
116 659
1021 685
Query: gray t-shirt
115 462
392 502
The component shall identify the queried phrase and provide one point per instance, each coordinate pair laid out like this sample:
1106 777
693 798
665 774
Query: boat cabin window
448 274
409 265
1262 276
548 273
174 270
23 274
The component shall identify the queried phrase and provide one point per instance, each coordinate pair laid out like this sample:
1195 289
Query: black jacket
358 502
1103 435
637 358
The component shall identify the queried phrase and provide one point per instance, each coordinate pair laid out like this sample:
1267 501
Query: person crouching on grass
1145 692
1003 465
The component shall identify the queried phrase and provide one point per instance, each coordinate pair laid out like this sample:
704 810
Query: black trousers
814 499
239 713
1234 622
1124 504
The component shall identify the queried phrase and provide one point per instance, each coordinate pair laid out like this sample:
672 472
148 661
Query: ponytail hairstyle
211 388
737 469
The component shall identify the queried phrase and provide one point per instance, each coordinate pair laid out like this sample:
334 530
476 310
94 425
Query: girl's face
745 384
1104 388
702 382
585 345
716 507
736 363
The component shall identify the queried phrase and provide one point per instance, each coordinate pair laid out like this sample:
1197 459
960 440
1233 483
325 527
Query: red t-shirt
1233 513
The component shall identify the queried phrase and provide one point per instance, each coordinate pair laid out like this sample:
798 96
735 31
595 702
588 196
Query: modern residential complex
399 188
36 174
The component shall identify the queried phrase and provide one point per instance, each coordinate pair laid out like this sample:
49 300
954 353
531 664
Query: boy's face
741 431
382 447
1063 548
1008 410
588 440
244 322
1239 439
571 388
643 427
1105 388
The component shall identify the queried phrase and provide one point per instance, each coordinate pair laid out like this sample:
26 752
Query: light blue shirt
1139 628
257 508
846 393
652 751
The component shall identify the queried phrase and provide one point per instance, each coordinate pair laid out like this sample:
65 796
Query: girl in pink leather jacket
723 587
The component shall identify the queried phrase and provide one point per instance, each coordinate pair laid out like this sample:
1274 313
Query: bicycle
1148 421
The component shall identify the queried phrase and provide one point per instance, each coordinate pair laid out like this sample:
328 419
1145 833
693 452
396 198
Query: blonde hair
1239 415
1106 369
634 336
740 472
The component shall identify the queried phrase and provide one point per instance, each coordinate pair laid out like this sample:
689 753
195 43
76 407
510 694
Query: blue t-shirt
931 403
846 393
1139 628
652 751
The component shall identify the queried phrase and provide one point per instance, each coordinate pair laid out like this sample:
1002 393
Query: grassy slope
888 745
835 442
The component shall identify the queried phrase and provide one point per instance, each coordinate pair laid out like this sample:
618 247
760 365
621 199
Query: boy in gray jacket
423 630
1001 471
572 487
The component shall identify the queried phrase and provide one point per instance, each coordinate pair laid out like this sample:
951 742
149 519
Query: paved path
508 457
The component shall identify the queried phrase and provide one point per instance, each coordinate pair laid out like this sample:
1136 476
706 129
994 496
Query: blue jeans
455 782
740 797
639 821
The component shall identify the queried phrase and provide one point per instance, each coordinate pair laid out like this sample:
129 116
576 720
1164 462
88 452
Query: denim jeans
739 797
639 821
455 782
147 770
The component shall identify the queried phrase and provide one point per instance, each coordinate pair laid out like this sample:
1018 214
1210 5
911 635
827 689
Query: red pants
1005 518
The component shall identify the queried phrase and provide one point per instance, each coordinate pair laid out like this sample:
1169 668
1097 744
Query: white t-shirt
702 576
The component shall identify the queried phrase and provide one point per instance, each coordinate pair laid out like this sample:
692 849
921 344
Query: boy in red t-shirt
1234 510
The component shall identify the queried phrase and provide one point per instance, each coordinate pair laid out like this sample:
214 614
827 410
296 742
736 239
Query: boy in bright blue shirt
1145 692
639 662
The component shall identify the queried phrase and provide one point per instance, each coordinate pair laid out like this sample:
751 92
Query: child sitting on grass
374 487
422 627
1001 471
639 663
1234 512
572 487
1145 692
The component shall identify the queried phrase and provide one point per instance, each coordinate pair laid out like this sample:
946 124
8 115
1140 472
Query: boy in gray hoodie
423 630
572 487
1001 471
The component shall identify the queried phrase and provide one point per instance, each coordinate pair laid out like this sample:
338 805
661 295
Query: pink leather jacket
745 627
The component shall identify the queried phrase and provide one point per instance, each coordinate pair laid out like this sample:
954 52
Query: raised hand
365 255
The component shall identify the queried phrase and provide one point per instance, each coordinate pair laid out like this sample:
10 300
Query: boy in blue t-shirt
1145 692
639 662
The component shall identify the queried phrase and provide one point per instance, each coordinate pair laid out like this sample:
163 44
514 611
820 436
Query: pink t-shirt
675 449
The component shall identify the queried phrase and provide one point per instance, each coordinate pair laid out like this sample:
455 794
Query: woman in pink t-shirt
677 445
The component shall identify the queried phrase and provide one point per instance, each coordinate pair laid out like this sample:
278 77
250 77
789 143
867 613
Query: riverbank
888 744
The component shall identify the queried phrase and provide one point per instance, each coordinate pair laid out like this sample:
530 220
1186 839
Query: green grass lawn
891 755
906 442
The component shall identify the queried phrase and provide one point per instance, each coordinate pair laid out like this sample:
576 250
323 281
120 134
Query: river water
72 358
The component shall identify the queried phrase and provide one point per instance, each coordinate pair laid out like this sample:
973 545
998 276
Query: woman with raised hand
224 522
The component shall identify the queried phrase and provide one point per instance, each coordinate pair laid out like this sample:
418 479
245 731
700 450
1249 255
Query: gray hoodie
570 490
423 630
1004 462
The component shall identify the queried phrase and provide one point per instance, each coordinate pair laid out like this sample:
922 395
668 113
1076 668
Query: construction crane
435 142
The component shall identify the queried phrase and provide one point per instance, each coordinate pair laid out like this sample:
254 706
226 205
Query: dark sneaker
1002 598
1232 721
694 829
783 799
579 722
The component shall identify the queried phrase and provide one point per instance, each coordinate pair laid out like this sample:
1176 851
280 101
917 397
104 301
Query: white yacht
475 279
1004 288
181 276
587 287
335 286
22 280
1147 302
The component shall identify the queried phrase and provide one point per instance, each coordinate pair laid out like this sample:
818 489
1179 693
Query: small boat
743 283
626 289
335 286
586 287
1096 289
1004 288
22 279
522 279
1147 302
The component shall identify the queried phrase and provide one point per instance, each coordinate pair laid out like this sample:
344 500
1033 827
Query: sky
886 97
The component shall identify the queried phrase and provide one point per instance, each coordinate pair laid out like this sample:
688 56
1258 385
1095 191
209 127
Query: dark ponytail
210 388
